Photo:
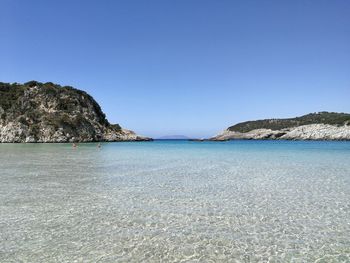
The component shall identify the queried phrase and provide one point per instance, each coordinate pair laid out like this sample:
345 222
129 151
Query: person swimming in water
74 145
99 145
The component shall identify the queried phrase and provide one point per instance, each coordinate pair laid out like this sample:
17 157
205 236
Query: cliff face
315 126
37 112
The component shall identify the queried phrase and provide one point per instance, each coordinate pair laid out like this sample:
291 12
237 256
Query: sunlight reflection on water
172 201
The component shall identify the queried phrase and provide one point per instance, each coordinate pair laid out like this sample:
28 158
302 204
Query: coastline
318 132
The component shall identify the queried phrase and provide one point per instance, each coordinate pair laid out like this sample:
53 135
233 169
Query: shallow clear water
240 201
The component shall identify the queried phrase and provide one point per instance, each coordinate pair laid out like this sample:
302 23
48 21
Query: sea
175 201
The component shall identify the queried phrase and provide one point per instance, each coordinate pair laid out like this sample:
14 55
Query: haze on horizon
184 67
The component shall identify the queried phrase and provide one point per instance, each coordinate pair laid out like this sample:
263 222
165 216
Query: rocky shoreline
304 132
37 112
14 133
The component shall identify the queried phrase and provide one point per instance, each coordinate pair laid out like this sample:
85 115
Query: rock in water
47 112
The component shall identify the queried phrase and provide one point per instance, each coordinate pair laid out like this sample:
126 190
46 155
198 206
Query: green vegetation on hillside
332 118
9 94
71 106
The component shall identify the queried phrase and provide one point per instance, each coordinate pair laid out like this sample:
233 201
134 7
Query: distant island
313 126
47 112
174 137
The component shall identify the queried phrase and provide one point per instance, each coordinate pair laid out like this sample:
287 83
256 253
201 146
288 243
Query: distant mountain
47 112
314 126
173 137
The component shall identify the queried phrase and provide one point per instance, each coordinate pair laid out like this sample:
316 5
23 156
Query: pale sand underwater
175 201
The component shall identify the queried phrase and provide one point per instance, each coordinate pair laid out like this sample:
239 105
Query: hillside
313 126
332 118
47 112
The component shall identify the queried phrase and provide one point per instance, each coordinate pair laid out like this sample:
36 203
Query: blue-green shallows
167 201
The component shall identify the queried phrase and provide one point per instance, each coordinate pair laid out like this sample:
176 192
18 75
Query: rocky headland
46 112
313 126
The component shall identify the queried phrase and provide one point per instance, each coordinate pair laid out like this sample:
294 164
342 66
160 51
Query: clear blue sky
189 67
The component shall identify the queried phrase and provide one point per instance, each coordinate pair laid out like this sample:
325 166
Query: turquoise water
175 201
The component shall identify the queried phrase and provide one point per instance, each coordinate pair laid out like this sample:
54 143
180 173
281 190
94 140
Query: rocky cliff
314 126
47 112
